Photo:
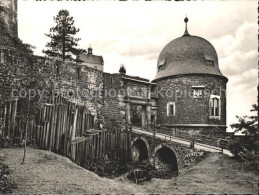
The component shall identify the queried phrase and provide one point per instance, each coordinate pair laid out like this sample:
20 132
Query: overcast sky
134 33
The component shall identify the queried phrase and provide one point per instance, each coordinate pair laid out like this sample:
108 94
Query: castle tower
8 16
192 88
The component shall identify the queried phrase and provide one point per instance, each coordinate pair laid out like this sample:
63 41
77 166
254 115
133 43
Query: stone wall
27 77
81 84
16 70
189 110
15 57
23 75
114 107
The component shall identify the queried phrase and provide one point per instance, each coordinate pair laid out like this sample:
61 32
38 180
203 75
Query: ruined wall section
32 80
16 58
38 79
114 105
8 16
82 85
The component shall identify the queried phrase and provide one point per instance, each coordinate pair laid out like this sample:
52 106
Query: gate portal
138 116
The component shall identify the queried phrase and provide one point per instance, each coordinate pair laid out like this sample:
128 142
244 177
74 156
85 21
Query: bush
244 147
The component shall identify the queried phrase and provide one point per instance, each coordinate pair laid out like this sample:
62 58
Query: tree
62 37
77 52
244 147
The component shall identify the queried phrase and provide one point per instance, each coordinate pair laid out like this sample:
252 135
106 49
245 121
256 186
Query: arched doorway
165 160
139 151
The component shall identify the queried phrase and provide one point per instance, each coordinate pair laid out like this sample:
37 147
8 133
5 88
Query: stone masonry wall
114 107
34 78
189 110
81 84
24 76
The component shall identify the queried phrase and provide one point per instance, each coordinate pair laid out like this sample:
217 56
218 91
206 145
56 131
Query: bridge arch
140 148
166 158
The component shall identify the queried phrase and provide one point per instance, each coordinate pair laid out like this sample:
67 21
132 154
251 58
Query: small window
78 72
58 69
197 91
2 60
210 63
171 109
161 65
111 79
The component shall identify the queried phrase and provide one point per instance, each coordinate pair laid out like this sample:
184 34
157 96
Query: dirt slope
48 173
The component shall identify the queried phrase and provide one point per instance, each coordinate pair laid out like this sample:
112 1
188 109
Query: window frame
210 63
214 108
161 65
197 88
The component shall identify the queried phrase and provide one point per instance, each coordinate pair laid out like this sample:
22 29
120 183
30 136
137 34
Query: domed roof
187 55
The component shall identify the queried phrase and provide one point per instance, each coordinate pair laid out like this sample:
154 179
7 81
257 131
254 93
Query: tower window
210 63
171 109
215 107
197 91
161 65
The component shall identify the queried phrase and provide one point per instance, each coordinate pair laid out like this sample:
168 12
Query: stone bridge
166 152
163 154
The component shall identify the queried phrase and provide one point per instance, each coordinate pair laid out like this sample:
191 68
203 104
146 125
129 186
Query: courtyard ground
48 173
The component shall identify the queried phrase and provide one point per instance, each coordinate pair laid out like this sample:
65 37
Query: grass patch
48 173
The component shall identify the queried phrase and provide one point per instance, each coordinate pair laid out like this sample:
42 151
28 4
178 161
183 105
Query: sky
134 33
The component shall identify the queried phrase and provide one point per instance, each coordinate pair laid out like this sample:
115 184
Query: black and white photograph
129 97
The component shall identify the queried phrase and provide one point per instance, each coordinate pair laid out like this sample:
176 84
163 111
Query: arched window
215 107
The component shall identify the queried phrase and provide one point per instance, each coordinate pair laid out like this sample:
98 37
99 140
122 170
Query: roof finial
186 33
90 50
